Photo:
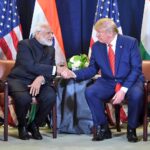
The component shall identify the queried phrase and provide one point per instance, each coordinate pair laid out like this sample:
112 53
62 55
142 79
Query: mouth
50 39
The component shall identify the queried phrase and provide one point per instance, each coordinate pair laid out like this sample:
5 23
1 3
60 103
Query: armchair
5 68
146 72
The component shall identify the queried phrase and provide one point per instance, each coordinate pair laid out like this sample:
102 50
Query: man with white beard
32 76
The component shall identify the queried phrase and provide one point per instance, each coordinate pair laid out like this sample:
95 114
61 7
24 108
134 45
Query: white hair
38 28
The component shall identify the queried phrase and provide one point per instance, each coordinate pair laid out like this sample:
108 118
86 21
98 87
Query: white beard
46 42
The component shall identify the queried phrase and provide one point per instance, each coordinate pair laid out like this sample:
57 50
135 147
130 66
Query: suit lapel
104 56
118 53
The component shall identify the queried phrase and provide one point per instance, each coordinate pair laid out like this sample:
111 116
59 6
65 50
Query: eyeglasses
50 33
99 33
46 32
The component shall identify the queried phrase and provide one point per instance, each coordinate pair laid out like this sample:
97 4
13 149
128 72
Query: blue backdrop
76 20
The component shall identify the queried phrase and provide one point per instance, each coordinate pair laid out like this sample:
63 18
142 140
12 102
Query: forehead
45 28
101 29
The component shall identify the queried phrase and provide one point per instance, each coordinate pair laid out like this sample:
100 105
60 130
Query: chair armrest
147 81
147 85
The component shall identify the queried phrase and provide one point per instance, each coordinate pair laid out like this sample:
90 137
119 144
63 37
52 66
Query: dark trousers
102 91
22 99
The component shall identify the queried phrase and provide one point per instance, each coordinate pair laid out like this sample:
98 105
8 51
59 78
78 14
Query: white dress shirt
113 43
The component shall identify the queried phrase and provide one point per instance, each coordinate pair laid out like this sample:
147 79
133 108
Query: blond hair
107 24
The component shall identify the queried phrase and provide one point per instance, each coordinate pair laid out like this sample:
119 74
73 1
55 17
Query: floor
72 142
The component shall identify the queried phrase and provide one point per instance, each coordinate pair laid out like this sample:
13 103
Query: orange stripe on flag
50 10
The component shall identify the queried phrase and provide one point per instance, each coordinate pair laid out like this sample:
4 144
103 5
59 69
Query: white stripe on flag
59 56
38 17
10 44
145 33
18 33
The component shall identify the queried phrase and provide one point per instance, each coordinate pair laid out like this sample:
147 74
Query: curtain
76 20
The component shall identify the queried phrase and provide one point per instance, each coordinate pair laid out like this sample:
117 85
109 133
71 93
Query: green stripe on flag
144 54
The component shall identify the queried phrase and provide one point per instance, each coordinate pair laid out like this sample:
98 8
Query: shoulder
25 42
128 41
98 46
25 45
127 38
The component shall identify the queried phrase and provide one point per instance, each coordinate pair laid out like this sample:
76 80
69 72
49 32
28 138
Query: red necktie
111 56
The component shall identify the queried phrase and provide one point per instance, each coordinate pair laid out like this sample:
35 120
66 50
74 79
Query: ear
37 34
111 34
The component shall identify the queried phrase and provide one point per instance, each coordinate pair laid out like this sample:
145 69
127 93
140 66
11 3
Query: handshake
64 72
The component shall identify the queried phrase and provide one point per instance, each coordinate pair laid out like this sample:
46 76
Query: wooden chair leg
145 120
94 131
6 112
117 116
54 120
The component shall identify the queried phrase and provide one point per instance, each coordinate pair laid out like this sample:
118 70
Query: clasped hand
64 72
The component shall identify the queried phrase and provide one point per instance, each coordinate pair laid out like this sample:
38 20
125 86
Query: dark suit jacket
127 62
33 59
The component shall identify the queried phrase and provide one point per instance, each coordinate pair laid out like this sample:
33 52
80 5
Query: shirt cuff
124 89
54 70
75 76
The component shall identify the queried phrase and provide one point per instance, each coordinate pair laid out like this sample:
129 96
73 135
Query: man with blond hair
118 58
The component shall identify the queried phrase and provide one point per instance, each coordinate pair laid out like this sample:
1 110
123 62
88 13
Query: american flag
10 29
105 9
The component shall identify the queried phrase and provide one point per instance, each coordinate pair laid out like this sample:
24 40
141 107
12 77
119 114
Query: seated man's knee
89 92
51 98
137 97
21 98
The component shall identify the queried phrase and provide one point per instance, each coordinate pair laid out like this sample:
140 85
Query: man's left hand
119 97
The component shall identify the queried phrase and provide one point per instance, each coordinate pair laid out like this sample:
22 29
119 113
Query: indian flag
45 11
145 33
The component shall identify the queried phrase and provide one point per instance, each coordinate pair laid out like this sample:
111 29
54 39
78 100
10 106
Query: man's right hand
67 74
60 69
35 86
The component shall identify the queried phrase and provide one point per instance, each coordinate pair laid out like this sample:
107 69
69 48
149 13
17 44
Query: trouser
22 100
102 91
